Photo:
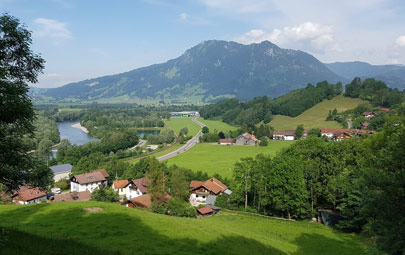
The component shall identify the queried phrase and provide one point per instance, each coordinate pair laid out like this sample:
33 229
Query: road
140 144
190 143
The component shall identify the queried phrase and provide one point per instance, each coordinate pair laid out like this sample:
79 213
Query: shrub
62 184
263 142
104 194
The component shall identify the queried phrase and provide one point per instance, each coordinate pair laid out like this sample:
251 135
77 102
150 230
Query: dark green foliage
299 132
205 130
184 139
209 138
62 184
18 66
263 142
176 207
165 136
183 131
104 194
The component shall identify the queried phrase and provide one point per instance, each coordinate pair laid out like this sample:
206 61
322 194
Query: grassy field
65 228
218 125
178 123
315 117
214 158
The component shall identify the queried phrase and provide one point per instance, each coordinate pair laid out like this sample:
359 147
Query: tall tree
18 66
242 175
158 180
299 132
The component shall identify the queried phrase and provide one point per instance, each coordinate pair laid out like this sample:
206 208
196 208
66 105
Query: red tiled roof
225 140
120 184
213 184
75 196
145 201
384 110
194 184
367 113
103 172
27 193
205 210
142 184
247 135
93 176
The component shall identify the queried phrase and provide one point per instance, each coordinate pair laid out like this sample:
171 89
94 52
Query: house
29 195
120 187
368 115
225 141
287 135
137 187
382 110
201 191
364 125
61 171
344 133
89 181
74 196
246 139
184 114
144 201
205 212
340 136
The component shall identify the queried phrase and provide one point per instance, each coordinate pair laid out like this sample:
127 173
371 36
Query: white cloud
240 6
400 41
307 36
52 29
183 16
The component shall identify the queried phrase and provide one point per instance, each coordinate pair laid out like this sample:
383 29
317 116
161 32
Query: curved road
190 143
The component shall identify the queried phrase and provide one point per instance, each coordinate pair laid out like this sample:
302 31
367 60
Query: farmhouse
225 141
340 134
28 195
368 115
200 191
61 171
89 181
137 187
71 197
120 187
287 135
144 201
246 139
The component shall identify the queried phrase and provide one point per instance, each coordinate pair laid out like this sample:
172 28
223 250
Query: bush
62 184
175 207
205 130
263 142
209 138
104 194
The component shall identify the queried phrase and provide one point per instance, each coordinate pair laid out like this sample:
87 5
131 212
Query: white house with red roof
137 187
201 192
89 181
28 195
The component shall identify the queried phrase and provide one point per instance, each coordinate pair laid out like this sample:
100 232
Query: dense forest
260 109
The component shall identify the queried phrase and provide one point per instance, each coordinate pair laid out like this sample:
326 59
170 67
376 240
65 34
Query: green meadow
65 228
178 123
217 125
215 158
315 116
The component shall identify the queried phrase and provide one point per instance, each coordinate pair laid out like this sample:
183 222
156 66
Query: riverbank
77 125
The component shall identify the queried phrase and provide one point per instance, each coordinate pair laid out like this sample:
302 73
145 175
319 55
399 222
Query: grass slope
218 125
178 123
315 116
64 228
214 158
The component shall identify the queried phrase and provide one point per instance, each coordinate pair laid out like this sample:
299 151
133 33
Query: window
203 196
196 195
122 190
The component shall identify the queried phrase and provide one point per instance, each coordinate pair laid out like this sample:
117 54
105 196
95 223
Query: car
56 190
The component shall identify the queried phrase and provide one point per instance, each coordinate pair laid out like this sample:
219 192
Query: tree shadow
110 232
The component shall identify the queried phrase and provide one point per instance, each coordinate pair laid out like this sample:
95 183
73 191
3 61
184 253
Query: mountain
209 71
392 75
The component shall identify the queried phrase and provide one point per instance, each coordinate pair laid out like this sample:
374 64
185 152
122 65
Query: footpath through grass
65 228
178 123
315 116
215 158
217 125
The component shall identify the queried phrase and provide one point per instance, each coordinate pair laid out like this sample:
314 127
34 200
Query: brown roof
103 171
367 113
249 136
142 184
93 176
120 184
145 201
27 193
205 210
225 140
384 110
286 133
75 196
194 184
213 184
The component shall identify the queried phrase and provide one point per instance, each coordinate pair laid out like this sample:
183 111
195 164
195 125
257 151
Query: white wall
199 199
84 187
60 176
131 193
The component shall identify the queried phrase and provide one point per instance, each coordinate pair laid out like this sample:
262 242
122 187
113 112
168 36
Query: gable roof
75 196
205 210
249 136
212 184
225 140
120 184
93 176
27 193
103 172
61 168
145 201
142 184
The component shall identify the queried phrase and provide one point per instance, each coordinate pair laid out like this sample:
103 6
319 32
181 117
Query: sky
83 39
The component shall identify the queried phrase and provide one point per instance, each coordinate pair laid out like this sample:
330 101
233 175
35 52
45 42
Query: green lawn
178 123
214 158
218 125
315 116
65 228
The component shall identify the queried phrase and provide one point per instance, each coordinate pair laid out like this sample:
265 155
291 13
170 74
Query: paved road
190 143
140 144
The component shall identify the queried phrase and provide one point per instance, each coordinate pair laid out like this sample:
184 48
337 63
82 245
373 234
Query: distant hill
392 75
210 71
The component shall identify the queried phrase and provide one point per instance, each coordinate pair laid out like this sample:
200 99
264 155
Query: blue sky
86 39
